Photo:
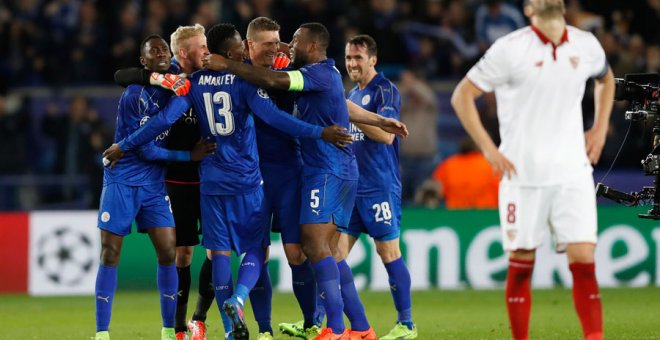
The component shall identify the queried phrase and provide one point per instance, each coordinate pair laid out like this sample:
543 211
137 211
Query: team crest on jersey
105 217
511 234
574 61
262 93
366 99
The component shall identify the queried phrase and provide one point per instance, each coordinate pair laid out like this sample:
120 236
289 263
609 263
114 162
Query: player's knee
294 254
580 253
387 253
166 255
184 256
523 254
110 255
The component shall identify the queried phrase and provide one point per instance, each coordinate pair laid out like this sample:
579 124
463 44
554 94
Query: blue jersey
276 147
378 163
224 104
323 103
137 168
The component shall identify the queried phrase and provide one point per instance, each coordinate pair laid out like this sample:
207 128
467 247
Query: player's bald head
546 8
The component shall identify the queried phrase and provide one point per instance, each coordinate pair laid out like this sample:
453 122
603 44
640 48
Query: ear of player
281 60
177 83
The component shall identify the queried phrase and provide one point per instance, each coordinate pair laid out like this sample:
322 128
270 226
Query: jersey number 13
222 101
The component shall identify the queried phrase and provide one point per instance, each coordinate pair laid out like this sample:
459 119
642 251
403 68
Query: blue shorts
121 204
282 201
234 222
378 216
327 198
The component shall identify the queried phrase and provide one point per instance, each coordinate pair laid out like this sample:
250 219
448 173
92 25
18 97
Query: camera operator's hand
594 140
501 165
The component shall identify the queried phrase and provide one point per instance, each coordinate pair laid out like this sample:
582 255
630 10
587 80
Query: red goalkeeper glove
174 82
281 61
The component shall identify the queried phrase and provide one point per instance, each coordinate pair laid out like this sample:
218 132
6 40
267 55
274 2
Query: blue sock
168 282
319 313
353 307
106 284
261 298
304 287
249 272
400 289
327 278
222 285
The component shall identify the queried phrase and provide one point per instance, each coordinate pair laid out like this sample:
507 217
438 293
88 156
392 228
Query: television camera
643 92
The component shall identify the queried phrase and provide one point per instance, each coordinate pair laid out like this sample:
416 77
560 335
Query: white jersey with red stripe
539 89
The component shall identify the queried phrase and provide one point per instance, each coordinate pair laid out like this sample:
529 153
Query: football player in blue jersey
134 189
188 44
281 167
329 181
231 184
377 209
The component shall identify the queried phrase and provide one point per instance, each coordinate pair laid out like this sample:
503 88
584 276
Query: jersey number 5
222 101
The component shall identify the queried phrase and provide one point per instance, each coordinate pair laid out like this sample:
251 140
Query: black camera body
642 90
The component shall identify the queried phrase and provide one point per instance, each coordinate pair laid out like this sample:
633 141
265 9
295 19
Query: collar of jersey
544 39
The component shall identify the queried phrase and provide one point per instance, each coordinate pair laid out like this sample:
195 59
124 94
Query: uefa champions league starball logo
65 256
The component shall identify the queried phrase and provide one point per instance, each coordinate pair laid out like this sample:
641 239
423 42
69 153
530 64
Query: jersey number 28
222 101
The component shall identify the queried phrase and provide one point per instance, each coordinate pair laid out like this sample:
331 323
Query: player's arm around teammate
377 210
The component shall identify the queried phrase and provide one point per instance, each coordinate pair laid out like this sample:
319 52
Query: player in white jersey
538 74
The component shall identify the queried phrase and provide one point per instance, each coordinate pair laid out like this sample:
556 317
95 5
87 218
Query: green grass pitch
632 313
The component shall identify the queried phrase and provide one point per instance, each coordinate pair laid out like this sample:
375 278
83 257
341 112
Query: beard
298 60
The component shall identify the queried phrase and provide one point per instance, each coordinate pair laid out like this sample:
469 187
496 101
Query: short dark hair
366 41
217 37
318 32
147 39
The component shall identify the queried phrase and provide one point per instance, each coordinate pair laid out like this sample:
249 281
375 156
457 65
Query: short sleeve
493 69
312 77
597 61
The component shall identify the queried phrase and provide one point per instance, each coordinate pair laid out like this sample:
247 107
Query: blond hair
183 33
261 24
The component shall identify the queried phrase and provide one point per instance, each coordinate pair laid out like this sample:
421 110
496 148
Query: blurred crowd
423 44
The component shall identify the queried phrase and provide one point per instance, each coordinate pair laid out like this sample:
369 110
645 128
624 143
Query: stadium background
58 106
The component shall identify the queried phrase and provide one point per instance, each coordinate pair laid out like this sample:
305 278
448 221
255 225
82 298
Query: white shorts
567 210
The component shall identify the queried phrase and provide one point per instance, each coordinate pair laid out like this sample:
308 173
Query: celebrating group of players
275 155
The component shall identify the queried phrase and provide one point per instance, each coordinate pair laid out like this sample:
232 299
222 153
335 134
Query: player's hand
501 165
594 140
394 126
203 148
111 155
215 62
281 61
177 83
336 135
